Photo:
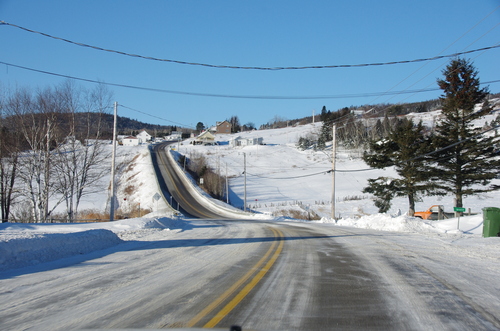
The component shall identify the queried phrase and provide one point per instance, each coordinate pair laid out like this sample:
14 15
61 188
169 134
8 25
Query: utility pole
227 187
46 173
334 151
219 188
245 172
113 156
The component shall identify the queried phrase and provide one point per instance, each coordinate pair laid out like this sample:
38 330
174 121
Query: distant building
130 141
358 112
175 135
143 137
205 138
120 137
223 127
238 141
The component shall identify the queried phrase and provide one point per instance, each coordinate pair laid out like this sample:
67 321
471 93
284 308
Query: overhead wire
264 97
378 94
154 116
454 42
452 145
437 69
440 65
249 67
369 169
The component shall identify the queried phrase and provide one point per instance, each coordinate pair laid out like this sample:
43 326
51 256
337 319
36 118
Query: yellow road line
233 288
243 293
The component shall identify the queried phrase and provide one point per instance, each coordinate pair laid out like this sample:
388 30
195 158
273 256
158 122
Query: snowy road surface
264 276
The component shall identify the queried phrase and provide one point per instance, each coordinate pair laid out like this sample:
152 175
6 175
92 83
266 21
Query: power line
154 116
484 18
369 169
249 67
452 145
213 95
291 177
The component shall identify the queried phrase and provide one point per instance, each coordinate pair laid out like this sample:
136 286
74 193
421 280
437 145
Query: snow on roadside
469 225
23 245
136 183
33 248
384 222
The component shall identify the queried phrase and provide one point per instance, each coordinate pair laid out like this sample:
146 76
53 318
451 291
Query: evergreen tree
464 162
403 144
328 119
325 115
200 127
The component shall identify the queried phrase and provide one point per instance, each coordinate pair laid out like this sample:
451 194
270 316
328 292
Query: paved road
260 275
175 190
265 276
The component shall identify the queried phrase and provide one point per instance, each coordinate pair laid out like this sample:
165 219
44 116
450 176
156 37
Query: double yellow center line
257 271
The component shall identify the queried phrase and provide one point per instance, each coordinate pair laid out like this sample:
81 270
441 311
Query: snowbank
23 245
35 248
469 225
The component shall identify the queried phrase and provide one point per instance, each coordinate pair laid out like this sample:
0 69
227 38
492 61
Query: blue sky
272 33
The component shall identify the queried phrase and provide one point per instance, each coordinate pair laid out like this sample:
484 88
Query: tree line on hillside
128 126
455 157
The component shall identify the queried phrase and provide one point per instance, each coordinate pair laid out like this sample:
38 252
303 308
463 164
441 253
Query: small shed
238 141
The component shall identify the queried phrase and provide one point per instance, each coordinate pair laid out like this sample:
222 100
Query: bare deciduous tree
60 128
82 153
35 117
9 158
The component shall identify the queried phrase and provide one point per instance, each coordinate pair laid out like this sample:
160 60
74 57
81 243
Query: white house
143 137
238 141
358 112
130 141
174 136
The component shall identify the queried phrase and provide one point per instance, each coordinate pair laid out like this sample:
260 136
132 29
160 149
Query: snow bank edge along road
23 245
28 244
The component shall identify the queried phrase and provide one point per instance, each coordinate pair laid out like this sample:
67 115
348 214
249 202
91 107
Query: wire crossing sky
140 48
332 66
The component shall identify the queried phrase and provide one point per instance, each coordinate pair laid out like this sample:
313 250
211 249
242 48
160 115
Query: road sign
156 197
459 209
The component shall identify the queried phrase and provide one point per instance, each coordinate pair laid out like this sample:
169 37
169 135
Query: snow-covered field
280 179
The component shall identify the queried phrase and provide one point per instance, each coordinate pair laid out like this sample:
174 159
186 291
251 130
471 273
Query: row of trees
353 132
50 149
213 183
456 158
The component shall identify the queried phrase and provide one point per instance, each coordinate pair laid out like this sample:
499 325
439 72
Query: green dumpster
491 222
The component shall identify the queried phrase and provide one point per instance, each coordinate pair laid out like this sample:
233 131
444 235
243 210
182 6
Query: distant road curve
177 191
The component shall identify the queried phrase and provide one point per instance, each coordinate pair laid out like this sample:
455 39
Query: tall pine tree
399 149
463 163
